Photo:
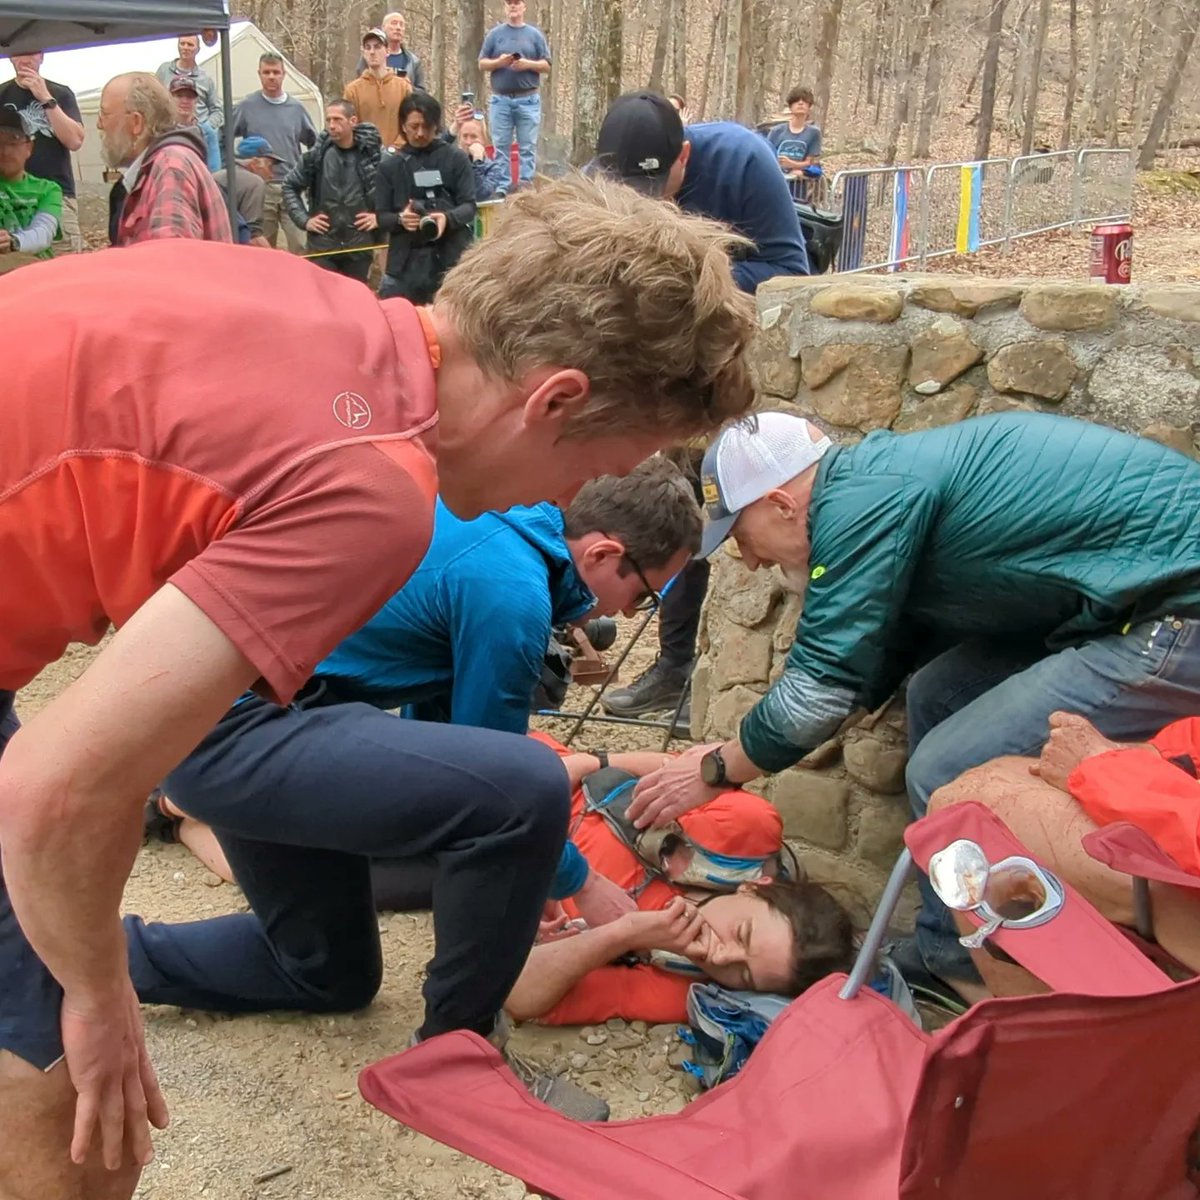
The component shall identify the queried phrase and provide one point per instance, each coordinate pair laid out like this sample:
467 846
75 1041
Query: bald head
134 109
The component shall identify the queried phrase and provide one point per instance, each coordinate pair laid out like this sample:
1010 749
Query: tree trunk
707 81
744 97
933 72
437 49
1110 78
910 60
987 89
1072 72
598 54
1185 34
470 38
679 46
1145 66
556 38
1095 45
729 59
1035 77
658 64
827 46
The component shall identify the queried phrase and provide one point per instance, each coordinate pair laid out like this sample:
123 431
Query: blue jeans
298 798
984 699
521 115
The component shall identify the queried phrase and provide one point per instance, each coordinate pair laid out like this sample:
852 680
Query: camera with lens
430 182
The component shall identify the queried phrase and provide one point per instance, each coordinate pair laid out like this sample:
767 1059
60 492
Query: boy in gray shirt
284 123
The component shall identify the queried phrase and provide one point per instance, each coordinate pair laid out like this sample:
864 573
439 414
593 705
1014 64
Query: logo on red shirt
351 410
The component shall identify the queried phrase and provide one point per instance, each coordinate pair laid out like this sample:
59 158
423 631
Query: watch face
710 768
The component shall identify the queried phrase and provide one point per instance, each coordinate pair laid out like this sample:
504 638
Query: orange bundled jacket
733 823
1157 792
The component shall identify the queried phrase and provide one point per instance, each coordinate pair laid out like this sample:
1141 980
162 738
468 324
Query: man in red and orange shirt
235 523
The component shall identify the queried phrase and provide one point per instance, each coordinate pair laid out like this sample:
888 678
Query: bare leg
37 1111
1051 825
200 840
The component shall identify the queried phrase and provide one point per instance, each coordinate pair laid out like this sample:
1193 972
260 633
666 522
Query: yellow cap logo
817 572
712 494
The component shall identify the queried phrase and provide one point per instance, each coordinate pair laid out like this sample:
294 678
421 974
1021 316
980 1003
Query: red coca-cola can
1112 253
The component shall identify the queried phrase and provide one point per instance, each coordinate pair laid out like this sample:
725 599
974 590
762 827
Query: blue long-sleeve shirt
732 176
466 636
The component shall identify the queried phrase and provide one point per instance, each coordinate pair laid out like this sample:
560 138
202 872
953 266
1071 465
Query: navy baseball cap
639 141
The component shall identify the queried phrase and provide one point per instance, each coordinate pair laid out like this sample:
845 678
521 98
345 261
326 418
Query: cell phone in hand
468 98
514 58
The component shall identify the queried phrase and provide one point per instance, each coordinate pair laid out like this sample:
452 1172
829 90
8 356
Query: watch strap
49 104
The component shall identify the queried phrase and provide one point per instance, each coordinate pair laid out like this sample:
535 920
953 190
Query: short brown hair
822 935
800 93
651 511
587 273
149 98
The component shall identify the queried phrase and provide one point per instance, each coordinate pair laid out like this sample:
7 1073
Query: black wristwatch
47 105
712 768
601 756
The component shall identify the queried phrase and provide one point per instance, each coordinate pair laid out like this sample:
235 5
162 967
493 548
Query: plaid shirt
173 196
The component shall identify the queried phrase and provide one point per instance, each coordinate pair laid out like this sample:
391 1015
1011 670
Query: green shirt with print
22 199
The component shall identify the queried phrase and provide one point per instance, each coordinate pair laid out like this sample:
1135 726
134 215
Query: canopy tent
86 70
31 25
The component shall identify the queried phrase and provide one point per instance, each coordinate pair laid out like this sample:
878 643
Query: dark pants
415 291
353 266
299 797
679 616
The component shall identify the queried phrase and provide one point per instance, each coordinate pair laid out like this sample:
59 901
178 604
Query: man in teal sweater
1059 562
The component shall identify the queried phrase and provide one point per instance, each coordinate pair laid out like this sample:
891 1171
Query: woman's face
745 943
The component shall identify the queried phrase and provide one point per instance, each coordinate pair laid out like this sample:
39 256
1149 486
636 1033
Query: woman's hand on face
673 928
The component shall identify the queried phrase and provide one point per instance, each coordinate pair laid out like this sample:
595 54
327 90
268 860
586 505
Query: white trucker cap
746 461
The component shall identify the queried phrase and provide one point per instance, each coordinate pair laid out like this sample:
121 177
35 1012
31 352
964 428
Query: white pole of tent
227 131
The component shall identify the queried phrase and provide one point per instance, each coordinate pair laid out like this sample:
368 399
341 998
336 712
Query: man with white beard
1023 563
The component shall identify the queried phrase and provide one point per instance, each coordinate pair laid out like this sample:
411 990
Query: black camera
427 231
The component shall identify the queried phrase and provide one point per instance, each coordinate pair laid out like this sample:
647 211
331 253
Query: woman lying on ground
768 935
1082 782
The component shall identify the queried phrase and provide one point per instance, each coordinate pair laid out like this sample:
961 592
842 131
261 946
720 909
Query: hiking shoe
654 690
557 1091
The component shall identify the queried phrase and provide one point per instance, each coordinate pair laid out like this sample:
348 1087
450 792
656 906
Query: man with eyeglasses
463 641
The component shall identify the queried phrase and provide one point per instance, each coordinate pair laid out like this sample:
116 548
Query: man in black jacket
337 176
425 202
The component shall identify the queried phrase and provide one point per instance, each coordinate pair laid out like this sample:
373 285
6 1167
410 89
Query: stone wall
908 353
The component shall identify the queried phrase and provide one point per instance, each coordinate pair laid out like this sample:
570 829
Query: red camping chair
1091 1091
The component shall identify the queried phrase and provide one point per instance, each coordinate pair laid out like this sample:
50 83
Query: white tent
87 70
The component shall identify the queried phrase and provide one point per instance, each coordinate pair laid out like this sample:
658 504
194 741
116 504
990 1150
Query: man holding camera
425 203
517 56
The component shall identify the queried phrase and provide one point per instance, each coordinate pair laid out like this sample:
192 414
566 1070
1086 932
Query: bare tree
470 38
708 84
1035 77
598 81
658 64
679 47
1072 73
827 46
933 69
437 48
555 36
909 59
987 89
1185 33
729 59
744 97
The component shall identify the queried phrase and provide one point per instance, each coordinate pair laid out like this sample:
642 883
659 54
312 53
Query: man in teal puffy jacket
1055 564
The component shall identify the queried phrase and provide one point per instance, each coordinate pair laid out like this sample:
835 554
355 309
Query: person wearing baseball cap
186 95
1054 560
726 172
254 168
379 91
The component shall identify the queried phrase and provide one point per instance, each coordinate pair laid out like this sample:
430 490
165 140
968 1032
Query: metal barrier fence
898 215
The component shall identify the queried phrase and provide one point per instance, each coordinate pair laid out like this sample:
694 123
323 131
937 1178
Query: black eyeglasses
649 599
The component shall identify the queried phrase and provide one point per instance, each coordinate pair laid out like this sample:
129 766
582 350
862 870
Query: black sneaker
655 690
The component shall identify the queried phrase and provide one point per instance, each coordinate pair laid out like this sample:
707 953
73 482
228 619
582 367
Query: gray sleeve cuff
794 717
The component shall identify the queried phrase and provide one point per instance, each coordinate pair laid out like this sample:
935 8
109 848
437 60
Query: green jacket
1020 525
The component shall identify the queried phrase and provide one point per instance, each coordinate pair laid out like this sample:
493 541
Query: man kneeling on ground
1081 782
